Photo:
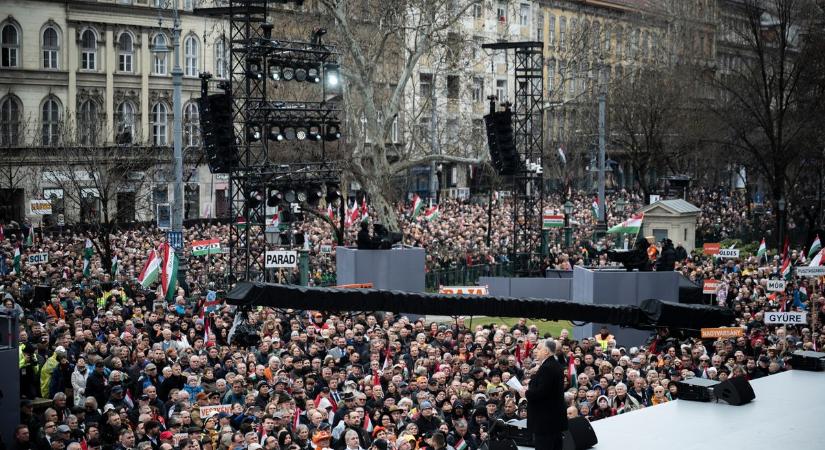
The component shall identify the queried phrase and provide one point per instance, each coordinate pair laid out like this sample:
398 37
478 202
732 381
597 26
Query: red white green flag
815 247
416 207
169 272
786 269
431 213
151 270
763 250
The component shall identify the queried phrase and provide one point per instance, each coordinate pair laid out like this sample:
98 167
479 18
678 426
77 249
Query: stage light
301 134
300 74
333 192
276 197
253 69
289 133
333 132
253 133
315 194
290 196
301 196
253 200
314 133
275 134
275 72
332 75
313 75
288 73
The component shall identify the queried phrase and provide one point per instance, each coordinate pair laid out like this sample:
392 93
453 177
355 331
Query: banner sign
726 332
205 411
728 253
464 290
789 318
326 248
710 286
38 258
807 271
552 220
776 285
355 286
281 258
41 207
211 304
711 249
206 247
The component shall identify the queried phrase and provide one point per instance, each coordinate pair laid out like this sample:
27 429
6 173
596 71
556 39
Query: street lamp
568 231
177 127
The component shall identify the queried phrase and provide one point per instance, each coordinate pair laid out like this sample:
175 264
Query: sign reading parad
280 259
464 290
788 318
776 285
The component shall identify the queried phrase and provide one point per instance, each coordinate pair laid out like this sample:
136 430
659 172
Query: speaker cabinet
735 391
579 435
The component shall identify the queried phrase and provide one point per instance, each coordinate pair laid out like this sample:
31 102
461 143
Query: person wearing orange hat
321 440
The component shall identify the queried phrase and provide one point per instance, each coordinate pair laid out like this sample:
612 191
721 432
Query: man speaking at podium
546 411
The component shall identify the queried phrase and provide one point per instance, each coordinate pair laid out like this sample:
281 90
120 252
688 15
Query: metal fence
465 275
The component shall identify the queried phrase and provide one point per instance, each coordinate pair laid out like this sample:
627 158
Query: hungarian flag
348 221
87 258
786 246
815 247
630 226
330 212
354 213
416 207
240 222
365 211
572 376
786 269
2 233
460 445
17 261
114 266
818 259
169 272
151 270
276 218
763 250
595 207
206 247
431 213
30 236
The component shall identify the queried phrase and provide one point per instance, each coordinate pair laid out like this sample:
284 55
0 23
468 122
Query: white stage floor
787 413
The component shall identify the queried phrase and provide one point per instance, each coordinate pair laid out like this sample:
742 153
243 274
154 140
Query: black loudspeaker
656 312
807 360
42 294
696 389
735 391
579 434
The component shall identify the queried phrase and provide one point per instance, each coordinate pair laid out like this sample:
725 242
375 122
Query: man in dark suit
546 410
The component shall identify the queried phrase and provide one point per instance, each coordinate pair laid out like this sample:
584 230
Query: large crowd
105 365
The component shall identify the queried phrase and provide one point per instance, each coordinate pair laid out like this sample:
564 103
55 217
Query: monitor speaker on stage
734 391
579 435
807 360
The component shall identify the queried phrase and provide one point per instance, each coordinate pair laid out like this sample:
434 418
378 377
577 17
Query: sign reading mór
776 285
281 258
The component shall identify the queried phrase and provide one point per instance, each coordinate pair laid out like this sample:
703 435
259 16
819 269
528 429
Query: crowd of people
106 364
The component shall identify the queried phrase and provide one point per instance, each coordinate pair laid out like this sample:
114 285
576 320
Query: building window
51 48
125 52
159 58
394 130
10 42
188 4
619 32
10 113
191 56
551 75
477 11
221 59
501 90
562 32
453 87
88 50
191 125
501 12
50 121
551 33
524 15
478 89
607 39
126 123
425 82
87 123
159 124
540 27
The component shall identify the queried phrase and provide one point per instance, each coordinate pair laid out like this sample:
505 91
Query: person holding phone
546 410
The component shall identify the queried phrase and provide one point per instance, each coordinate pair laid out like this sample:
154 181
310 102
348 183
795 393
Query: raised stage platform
787 413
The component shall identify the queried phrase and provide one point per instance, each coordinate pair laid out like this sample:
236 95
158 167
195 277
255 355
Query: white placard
728 253
41 207
326 248
281 258
788 318
38 258
471 290
776 285
807 271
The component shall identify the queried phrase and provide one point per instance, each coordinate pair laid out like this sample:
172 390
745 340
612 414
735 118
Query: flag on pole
416 207
206 247
763 250
571 370
461 445
17 261
330 211
786 246
114 266
30 236
2 233
431 213
240 222
365 211
630 226
169 272
815 247
353 214
786 269
87 258
151 270
595 207
818 259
